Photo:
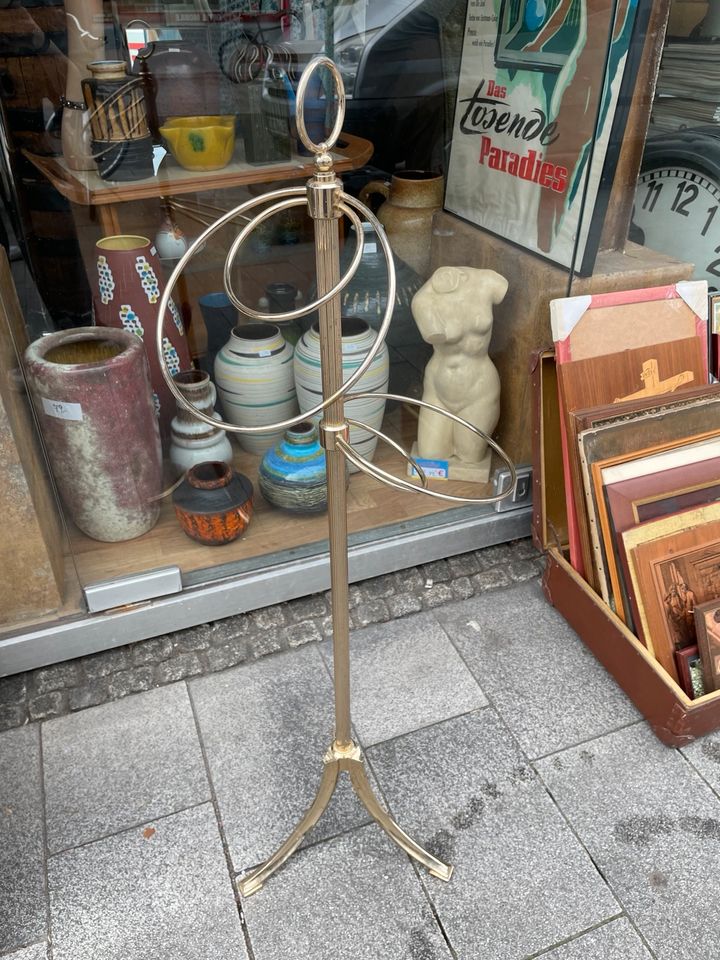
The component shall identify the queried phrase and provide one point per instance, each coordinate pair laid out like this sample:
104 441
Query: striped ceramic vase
254 377
357 339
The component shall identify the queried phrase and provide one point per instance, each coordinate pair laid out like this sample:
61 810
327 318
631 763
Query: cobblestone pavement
88 681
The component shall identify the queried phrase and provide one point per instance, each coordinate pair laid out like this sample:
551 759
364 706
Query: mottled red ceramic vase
91 390
127 291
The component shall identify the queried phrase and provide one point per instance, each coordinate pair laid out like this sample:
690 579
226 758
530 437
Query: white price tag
62 410
264 353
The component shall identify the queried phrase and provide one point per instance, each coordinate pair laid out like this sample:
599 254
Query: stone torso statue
453 312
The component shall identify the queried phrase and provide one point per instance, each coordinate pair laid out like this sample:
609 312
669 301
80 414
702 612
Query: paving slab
38 951
704 755
540 677
161 891
23 901
266 728
522 881
653 827
355 897
617 940
124 763
406 675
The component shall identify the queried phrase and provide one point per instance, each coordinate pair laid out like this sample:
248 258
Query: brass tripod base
350 759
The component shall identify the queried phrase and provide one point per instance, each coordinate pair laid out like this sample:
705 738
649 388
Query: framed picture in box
588 330
690 671
632 490
649 371
707 626
674 565
658 421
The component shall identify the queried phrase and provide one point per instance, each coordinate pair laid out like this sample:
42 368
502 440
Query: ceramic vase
282 297
366 294
191 440
254 377
292 474
127 290
357 339
91 390
411 199
214 503
121 140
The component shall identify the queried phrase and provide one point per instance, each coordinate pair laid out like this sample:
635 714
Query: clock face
677 211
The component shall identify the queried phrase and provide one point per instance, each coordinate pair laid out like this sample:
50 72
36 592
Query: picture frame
658 421
650 371
540 115
690 671
589 330
707 627
631 491
674 565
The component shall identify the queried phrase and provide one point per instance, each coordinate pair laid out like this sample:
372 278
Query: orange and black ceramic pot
214 503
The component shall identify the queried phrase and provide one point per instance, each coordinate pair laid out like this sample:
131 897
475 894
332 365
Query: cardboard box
674 718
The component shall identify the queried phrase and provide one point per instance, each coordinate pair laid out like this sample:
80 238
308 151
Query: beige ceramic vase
411 199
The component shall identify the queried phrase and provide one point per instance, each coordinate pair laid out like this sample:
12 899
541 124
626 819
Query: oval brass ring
327 145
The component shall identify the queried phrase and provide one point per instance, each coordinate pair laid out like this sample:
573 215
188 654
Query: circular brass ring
308 307
403 484
200 242
327 145
391 443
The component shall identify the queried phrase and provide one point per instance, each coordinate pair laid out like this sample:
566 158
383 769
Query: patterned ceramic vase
357 339
191 440
254 377
91 390
214 503
128 287
292 473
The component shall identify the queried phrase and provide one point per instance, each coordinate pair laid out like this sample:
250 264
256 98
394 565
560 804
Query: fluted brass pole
323 195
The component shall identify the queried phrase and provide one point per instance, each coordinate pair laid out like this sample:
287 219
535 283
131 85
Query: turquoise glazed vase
292 473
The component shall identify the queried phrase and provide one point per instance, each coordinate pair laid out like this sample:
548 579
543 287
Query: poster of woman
538 119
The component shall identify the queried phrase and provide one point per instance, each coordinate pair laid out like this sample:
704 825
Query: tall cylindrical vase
127 289
191 440
254 377
91 390
357 339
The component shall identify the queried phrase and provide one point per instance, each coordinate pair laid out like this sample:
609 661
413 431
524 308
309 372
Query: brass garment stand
326 203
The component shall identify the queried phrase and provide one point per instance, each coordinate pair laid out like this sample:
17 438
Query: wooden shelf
271 531
87 188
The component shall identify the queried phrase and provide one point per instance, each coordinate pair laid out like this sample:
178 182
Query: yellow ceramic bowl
200 143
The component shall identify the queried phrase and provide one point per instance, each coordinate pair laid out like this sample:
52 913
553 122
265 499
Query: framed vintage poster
541 106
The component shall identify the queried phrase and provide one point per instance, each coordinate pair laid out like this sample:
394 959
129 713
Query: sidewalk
493 736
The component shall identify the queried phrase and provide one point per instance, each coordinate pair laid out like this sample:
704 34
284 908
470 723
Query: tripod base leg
361 785
253 881
348 758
